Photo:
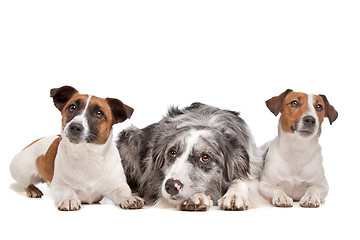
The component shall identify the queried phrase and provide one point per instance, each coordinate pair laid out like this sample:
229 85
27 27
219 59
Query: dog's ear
330 111
158 157
237 160
237 166
275 104
62 95
119 110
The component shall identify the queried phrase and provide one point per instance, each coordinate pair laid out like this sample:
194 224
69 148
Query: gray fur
144 152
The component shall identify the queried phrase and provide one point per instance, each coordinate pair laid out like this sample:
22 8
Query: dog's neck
291 145
87 150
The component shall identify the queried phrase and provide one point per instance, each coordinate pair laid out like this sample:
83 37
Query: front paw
282 201
132 203
309 201
198 202
33 192
234 202
70 205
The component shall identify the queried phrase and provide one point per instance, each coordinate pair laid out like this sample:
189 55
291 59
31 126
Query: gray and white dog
191 158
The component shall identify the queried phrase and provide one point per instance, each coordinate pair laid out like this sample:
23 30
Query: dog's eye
99 114
72 108
294 103
205 158
172 153
319 107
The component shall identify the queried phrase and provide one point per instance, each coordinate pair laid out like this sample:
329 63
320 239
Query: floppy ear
237 160
275 104
119 110
157 155
62 95
330 111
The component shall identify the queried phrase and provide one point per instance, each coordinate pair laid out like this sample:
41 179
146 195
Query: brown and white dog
293 167
83 164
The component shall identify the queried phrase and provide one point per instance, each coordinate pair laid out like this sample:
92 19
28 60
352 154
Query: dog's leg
276 194
65 198
122 197
236 198
314 196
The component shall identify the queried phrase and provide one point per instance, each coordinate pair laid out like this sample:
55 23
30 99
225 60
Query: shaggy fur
175 148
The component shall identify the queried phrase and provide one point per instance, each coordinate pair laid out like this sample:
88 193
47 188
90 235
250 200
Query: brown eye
99 114
205 158
172 153
72 108
319 107
294 103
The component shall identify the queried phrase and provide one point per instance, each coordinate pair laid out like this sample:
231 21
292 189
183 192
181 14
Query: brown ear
62 95
275 104
330 111
119 110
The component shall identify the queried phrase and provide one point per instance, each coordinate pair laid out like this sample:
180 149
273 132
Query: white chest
88 172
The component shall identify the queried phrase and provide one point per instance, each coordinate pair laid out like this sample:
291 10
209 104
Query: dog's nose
309 121
173 186
76 128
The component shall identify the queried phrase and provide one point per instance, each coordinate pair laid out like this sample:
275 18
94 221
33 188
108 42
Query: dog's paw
234 202
70 205
309 201
198 202
132 203
33 192
282 201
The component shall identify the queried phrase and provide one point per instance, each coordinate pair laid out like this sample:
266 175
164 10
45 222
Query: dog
191 158
82 165
293 169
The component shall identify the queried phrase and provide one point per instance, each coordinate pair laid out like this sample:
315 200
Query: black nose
309 121
76 128
173 187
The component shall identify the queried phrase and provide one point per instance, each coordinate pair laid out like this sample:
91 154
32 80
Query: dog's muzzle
308 126
75 132
173 186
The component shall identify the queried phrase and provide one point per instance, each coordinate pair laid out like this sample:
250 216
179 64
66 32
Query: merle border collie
192 158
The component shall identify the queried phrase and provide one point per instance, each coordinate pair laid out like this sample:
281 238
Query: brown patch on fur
290 115
275 104
45 163
319 100
104 124
32 143
330 111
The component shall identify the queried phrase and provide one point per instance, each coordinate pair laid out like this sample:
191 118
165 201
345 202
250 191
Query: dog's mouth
305 132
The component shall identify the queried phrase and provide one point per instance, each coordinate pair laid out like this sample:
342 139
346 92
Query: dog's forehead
78 97
202 140
299 96
317 99
100 102
83 98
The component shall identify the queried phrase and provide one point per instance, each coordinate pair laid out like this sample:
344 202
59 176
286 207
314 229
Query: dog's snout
173 186
76 128
309 121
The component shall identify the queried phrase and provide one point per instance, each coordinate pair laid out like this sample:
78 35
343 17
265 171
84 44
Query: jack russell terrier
293 167
83 164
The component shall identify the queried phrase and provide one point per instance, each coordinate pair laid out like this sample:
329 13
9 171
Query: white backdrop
153 54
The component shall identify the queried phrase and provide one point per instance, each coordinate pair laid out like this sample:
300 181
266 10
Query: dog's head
301 113
197 160
86 118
